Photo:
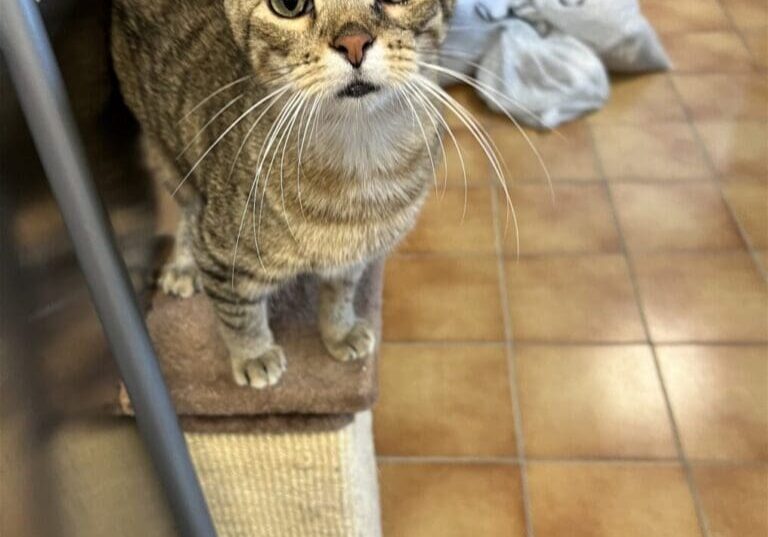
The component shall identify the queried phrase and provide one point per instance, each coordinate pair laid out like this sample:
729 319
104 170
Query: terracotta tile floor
612 379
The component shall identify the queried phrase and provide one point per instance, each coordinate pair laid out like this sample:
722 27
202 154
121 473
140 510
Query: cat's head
349 51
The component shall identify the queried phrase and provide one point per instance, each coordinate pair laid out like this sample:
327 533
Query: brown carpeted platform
196 367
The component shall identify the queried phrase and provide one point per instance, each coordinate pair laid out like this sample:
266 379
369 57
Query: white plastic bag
616 29
536 73
542 81
473 27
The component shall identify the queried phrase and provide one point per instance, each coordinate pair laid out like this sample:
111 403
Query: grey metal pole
41 92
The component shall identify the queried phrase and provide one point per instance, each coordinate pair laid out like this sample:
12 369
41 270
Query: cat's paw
260 372
359 343
179 280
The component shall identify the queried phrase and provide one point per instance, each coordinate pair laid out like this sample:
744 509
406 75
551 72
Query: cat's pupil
291 5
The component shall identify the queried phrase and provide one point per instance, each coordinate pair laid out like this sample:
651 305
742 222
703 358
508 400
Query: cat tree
295 460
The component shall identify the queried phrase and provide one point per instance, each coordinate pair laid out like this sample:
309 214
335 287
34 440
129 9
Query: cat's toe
359 343
181 281
263 371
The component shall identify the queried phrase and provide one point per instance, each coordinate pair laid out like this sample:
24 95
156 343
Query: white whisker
284 117
313 133
424 136
214 94
458 55
208 124
248 135
287 135
456 145
312 111
431 114
488 92
466 118
227 131
254 186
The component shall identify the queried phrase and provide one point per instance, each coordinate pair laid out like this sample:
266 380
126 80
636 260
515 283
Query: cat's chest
362 221
331 245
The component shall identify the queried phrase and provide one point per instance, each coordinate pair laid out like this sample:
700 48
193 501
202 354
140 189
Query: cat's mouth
358 89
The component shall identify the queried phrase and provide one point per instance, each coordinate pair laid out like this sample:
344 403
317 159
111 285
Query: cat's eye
290 8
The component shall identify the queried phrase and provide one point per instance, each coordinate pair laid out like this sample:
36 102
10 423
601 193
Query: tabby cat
298 136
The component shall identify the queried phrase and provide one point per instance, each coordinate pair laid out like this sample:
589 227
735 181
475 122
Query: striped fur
365 163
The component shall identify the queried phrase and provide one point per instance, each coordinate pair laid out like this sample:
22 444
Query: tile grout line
735 28
757 262
718 181
566 254
447 459
761 268
481 459
574 343
511 367
681 457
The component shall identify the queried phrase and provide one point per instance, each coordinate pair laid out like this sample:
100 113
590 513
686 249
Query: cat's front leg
244 325
180 277
346 337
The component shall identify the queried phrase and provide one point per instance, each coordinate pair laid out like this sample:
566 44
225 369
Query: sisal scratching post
294 460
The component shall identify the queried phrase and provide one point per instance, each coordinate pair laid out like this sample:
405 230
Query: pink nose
353 46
